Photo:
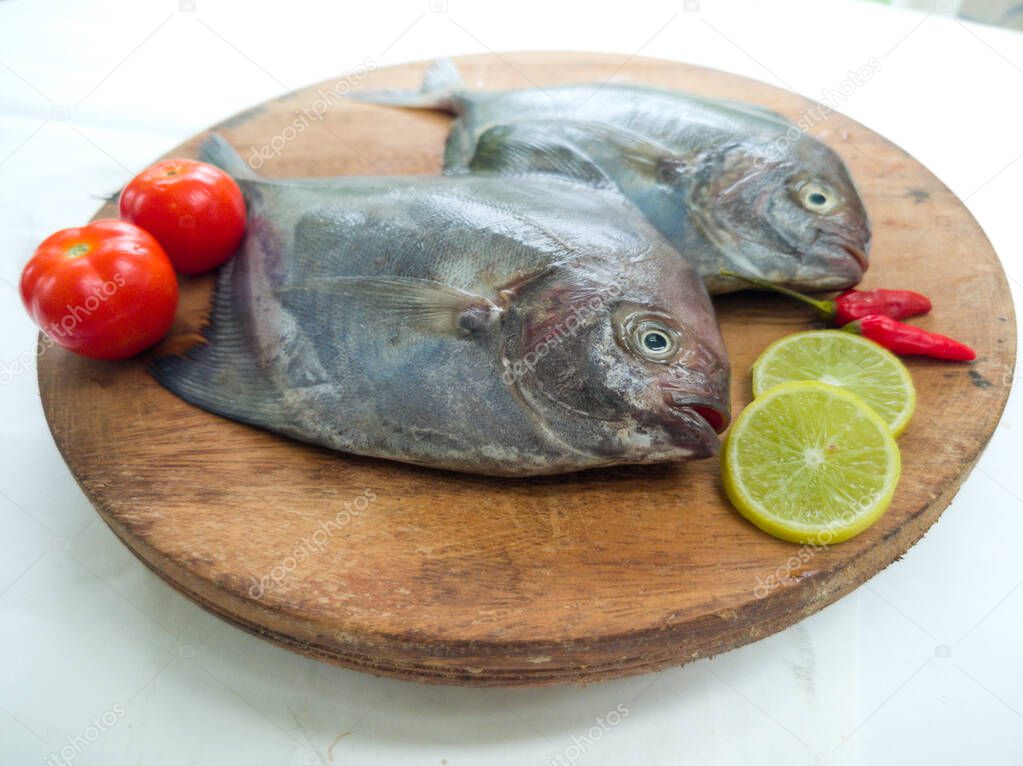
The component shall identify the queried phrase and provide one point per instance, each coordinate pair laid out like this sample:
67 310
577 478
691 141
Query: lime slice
810 463
845 360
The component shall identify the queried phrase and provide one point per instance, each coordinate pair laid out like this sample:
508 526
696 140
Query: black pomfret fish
469 323
734 182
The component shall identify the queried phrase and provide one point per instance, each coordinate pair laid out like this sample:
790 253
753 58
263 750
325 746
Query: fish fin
217 151
459 148
531 147
440 84
221 375
568 148
442 75
421 303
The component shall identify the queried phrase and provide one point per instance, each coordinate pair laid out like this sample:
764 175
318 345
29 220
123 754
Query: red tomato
196 211
106 290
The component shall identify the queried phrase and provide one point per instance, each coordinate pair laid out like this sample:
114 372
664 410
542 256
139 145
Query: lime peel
810 463
841 359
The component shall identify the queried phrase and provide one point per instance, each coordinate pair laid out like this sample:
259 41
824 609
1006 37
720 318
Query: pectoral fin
598 155
532 147
420 303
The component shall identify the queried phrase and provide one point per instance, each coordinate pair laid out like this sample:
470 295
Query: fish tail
441 84
217 151
222 374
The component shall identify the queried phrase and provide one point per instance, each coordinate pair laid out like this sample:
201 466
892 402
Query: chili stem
827 308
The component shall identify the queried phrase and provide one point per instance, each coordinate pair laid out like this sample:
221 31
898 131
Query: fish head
786 213
631 369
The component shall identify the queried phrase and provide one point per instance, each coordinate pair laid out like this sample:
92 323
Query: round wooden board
462 579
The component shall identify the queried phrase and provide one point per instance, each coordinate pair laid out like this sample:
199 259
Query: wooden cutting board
460 579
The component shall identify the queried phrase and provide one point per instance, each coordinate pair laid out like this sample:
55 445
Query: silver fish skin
768 199
472 323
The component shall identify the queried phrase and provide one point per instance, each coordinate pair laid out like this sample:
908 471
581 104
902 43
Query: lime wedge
810 463
844 360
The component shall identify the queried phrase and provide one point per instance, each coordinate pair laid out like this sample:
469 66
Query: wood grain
460 579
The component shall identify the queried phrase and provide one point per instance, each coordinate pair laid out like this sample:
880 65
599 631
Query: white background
920 666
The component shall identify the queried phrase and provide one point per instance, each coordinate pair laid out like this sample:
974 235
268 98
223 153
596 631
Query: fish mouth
833 264
858 254
714 414
696 422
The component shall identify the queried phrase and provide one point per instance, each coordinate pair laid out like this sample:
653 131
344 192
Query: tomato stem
76 250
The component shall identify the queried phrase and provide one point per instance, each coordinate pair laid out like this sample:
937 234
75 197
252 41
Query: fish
469 323
735 184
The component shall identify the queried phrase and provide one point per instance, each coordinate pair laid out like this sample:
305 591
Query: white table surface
920 666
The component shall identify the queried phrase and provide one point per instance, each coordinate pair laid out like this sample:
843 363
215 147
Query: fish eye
817 197
654 341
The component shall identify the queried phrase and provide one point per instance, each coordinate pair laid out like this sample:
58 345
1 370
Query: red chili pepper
853 304
905 339
896 304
